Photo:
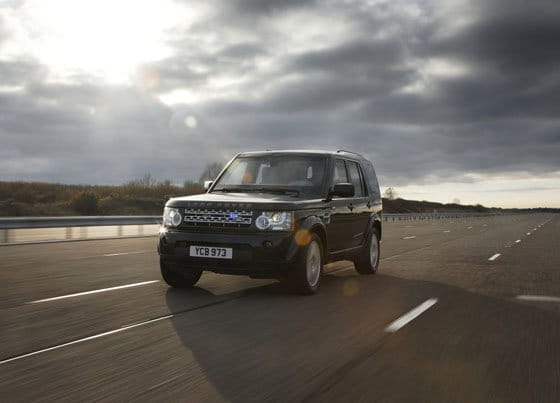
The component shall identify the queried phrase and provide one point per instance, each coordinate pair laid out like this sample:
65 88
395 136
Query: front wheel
177 277
306 276
368 261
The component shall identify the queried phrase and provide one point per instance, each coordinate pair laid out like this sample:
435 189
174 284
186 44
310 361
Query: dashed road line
93 292
519 240
539 298
127 253
95 336
447 230
494 257
411 315
410 237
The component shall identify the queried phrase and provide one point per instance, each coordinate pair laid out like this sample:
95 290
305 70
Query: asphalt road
459 311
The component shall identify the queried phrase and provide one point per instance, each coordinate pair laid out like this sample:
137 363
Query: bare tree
390 193
211 172
456 201
147 180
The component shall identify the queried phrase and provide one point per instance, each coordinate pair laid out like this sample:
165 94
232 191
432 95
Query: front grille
218 217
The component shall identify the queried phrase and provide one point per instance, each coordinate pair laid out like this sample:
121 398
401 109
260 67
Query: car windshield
290 174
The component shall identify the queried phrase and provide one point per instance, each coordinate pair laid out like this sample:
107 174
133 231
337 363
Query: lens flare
350 287
149 79
302 237
191 122
247 178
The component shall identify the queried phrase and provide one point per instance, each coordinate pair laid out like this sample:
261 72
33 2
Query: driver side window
340 175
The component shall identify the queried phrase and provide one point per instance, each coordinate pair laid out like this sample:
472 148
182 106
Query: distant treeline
50 199
400 206
147 197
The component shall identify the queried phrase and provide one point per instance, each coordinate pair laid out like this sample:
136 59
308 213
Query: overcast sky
449 99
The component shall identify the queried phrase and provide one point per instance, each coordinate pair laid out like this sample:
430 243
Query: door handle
351 206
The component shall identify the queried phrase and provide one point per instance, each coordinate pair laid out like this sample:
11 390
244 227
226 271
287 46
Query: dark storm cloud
267 6
354 57
179 71
373 88
241 51
21 72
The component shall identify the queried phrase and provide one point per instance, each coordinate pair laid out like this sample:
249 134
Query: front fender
310 223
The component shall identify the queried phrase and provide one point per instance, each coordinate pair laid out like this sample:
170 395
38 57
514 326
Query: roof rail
349 152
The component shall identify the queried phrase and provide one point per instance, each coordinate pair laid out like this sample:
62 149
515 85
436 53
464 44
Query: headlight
276 221
171 217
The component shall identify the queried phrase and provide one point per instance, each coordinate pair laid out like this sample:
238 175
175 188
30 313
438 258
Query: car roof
344 153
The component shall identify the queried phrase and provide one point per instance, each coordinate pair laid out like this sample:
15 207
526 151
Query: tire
305 277
179 277
368 260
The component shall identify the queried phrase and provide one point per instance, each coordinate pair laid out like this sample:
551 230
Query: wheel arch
315 225
377 226
322 234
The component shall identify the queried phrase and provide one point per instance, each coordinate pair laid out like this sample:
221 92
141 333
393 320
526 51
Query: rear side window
371 179
340 175
355 178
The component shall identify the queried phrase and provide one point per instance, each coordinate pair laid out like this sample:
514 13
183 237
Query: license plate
211 252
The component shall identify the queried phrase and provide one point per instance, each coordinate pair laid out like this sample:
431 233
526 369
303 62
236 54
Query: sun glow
107 39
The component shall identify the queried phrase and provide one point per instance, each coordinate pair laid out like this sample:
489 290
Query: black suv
276 214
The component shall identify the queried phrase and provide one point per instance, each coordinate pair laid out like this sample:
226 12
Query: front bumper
259 254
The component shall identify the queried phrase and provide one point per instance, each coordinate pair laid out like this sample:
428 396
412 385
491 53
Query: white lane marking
403 320
127 253
122 329
72 259
469 227
541 298
447 230
494 257
78 294
528 233
519 240
410 237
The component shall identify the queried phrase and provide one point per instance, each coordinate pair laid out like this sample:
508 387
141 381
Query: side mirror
343 190
207 184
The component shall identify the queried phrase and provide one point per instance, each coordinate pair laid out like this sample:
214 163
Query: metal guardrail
79 221
433 216
10 224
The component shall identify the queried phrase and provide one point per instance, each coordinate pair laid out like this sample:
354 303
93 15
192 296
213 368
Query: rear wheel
368 260
178 277
306 275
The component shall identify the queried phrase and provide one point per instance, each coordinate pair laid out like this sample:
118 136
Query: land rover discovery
276 214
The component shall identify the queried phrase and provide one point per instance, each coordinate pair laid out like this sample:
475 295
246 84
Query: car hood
245 200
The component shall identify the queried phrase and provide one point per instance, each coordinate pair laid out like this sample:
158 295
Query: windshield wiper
277 190
230 190
259 189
